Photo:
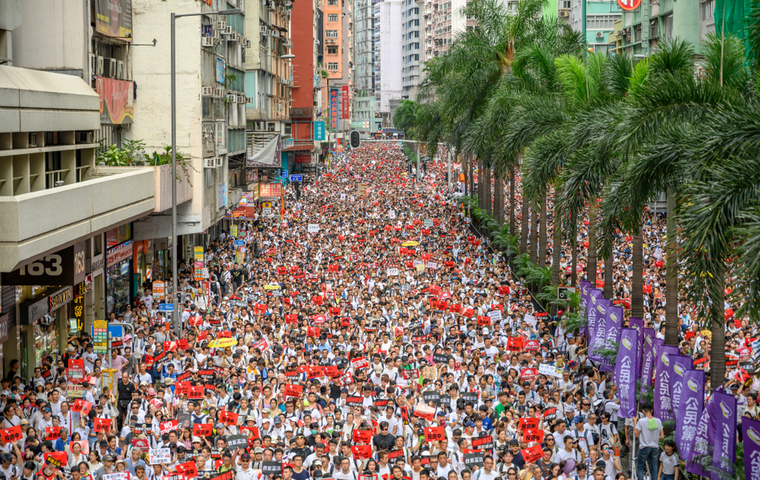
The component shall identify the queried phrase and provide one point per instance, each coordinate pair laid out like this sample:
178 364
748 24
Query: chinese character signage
345 109
319 131
334 108
113 18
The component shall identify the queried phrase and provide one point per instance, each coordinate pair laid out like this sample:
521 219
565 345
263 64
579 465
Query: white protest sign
530 320
391 214
392 272
431 265
495 315
428 222
342 197
160 455
313 228
117 476
550 370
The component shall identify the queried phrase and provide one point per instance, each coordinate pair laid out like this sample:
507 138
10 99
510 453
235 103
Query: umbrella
410 244
223 343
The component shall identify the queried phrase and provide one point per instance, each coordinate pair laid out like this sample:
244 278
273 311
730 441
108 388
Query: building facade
363 104
388 58
600 21
412 46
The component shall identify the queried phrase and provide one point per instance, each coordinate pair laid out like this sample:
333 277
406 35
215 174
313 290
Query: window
332 49
601 22
707 11
331 33
332 17
667 27
637 33
332 2
332 66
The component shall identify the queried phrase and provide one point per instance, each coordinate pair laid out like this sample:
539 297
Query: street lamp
175 293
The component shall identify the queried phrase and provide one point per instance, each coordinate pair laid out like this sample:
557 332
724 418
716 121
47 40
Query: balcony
39 222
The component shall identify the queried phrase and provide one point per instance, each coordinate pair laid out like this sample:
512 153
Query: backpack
601 408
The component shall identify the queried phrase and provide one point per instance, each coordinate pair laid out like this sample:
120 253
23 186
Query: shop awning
305 147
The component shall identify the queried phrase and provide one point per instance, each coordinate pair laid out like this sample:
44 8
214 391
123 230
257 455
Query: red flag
362 451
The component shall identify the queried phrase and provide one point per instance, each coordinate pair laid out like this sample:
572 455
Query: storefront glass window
119 278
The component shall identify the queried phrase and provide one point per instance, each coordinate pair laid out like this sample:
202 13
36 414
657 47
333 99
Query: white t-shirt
649 438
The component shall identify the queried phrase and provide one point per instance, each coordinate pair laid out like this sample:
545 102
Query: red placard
362 451
167 427
291 390
187 469
76 370
291 318
228 418
529 374
102 424
484 321
11 434
528 423
81 406
195 393
424 411
56 459
434 434
362 436
359 363
52 433
467 312
533 435
531 345
532 454
514 344
203 429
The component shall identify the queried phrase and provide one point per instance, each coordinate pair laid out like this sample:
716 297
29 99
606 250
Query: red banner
532 454
81 406
528 423
434 434
344 97
203 429
228 418
292 390
116 100
533 435
362 436
11 434
102 424
362 451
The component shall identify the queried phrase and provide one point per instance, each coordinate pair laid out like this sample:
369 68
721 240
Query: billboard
116 97
113 18
319 131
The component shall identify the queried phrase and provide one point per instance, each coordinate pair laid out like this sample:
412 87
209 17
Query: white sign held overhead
495 315
313 228
550 370
160 455
392 272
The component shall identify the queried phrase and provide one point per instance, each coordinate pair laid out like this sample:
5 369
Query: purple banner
751 439
647 361
678 367
591 313
705 434
613 325
599 334
625 372
724 453
689 410
662 404
638 325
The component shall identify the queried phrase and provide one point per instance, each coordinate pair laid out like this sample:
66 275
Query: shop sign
334 108
268 190
97 264
159 290
60 298
3 328
65 267
113 18
344 98
120 253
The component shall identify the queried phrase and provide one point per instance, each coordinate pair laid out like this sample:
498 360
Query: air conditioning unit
276 33
100 61
219 92
247 43
209 163
227 30
32 140
241 40
219 161
207 91
231 97
220 24
233 37
120 69
207 41
112 67
599 34
248 100
564 13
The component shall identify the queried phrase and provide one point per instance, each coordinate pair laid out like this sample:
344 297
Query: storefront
45 324
119 291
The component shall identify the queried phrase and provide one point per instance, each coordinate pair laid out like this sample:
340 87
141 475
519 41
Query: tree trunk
465 172
498 199
557 247
591 265
637 282
471 166
534 233
543 237
481 197
671 274
574 261
608 283
512 202
487 189
717 322
524 225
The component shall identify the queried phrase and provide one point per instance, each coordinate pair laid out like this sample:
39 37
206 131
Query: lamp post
175 293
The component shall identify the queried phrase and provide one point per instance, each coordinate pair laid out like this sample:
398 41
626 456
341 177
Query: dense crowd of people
368 333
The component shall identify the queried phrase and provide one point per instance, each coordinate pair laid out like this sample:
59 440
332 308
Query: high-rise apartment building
388 57
600 20
363 105
412 46
338 62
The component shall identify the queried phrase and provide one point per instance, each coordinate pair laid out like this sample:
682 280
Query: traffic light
355 139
